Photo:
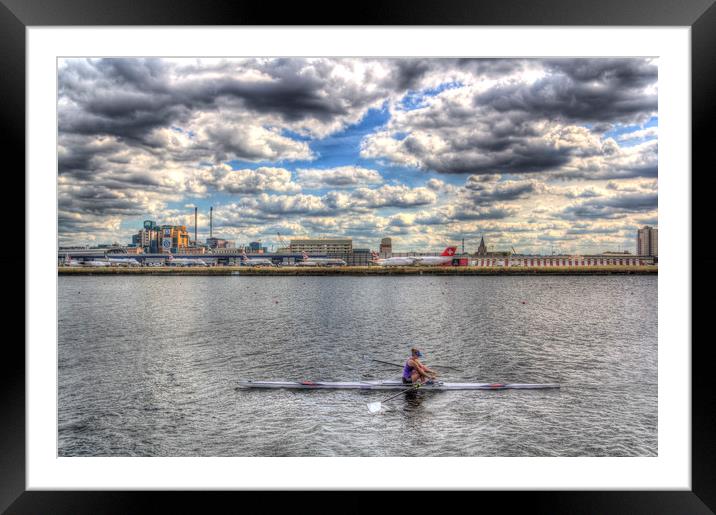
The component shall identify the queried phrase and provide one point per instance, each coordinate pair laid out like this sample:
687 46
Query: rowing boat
391 385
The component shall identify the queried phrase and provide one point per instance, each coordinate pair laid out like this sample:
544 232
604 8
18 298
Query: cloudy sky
537 154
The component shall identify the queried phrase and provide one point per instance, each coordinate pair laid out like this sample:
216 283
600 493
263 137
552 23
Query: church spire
482 249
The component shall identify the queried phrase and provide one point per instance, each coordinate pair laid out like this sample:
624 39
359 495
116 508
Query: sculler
415 372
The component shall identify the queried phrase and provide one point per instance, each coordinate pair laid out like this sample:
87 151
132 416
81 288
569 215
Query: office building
358 257
218 243
386 248
330 246
647 242
147 239
174 238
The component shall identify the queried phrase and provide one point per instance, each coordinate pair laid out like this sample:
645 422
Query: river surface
148 366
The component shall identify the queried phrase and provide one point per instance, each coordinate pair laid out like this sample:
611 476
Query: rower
415 372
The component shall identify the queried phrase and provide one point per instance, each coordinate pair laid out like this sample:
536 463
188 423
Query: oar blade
374 407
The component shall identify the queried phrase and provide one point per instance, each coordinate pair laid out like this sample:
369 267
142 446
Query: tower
482 249
647 241
386 248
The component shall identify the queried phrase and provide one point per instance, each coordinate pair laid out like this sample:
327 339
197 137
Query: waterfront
360 270
148 365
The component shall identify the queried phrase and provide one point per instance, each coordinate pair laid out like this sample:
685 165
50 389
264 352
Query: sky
539 155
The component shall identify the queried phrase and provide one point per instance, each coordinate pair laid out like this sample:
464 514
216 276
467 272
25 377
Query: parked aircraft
172 261
70 262
446 257
247 261
393 261
309 261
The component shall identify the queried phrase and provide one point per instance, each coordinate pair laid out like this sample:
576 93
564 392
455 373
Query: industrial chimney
196 210
211 222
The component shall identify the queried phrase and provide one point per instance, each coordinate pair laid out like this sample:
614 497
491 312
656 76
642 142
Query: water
148 365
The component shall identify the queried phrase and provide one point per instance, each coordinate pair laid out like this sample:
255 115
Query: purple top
407 370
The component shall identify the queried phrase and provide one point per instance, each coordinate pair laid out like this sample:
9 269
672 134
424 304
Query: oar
399 365
375 407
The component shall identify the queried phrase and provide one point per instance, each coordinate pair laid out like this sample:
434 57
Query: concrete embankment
359 270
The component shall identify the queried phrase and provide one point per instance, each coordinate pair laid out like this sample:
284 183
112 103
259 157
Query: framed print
444 219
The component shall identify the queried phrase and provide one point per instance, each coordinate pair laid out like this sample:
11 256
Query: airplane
247 261
172 261
96 262
309 261
124 261
70 262
445 257
393 261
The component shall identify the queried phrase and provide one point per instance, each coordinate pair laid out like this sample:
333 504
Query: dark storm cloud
519 158
613 207
409 71
521 127
68 225
582 90
76 162
99 200
81 157
482 193
619 72
128 98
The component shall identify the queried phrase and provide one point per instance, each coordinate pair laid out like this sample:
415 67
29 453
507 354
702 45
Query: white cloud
257 181
339 177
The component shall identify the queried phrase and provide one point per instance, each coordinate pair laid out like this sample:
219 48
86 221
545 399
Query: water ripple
148 365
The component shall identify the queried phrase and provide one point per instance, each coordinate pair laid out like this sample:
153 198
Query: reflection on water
412 404
148 365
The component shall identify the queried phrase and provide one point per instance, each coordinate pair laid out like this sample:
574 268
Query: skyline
532 153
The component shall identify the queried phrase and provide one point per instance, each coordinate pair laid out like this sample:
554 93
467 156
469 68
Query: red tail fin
449 251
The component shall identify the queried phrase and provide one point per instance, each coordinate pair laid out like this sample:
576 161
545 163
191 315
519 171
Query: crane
282 241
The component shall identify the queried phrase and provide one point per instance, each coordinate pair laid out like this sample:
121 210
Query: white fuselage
124 262
396 261
256 262
95 262
433 260
322 262
186 262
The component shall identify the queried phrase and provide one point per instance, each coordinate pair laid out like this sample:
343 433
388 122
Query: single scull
391 385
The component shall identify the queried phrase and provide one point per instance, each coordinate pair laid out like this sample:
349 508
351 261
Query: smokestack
196 210
211 222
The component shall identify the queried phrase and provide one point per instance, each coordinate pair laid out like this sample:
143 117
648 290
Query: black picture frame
699 15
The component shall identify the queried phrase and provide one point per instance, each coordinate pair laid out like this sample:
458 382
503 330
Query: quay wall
361 270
